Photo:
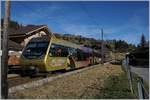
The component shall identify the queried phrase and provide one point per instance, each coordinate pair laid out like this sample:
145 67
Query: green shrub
116 87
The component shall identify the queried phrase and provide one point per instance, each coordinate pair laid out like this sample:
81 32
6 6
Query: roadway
142 72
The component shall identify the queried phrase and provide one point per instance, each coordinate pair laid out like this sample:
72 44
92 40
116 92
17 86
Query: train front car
45 54
33 56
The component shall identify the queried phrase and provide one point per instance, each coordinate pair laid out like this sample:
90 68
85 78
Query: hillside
109 45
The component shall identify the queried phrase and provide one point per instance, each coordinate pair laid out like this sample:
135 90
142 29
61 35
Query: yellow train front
44 54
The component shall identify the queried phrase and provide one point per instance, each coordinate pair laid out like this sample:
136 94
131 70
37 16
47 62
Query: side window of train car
64 52
72 51
52 52
81 55
58 51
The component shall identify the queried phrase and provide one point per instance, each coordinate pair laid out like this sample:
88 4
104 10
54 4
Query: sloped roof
21 33
23 30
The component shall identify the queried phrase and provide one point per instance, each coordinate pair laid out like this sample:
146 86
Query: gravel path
86 84
142 72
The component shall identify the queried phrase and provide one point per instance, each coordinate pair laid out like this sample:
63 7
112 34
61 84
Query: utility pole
102 47
115 50
4 84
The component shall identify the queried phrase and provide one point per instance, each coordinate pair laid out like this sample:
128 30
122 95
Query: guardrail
141 91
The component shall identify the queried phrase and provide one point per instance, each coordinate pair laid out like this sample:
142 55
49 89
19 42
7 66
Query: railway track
14 81
40 82
18 80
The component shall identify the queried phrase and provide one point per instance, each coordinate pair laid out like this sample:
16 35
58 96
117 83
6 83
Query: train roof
41 39
86 49
64 43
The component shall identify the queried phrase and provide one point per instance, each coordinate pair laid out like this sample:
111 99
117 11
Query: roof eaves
36 30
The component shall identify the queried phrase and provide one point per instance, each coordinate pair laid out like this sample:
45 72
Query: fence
141 91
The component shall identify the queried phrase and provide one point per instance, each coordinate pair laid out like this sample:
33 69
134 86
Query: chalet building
24 34
18 38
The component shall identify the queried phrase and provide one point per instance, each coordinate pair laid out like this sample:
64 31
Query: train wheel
45 75
34 73
23 73
36 70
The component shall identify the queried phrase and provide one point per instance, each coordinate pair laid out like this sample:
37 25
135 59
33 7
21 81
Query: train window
72 51
42 44
35 49
58 51
31 45
82 55
64 52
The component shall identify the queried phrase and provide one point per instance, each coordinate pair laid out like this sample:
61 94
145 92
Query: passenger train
45 54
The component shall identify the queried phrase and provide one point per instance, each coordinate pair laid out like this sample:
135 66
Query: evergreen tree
143 41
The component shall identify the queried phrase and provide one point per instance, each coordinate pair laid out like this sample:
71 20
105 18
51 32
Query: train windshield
35 49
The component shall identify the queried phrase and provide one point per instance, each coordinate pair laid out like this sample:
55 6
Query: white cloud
84 30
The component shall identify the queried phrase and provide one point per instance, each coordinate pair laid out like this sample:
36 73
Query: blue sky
119 20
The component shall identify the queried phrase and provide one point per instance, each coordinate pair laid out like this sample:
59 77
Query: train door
72 57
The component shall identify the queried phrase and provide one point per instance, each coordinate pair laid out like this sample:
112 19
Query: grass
103 82
77 86
116 87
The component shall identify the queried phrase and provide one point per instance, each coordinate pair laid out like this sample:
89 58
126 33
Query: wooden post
115 51
4 84
102 47
140 92
129 74
142 82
